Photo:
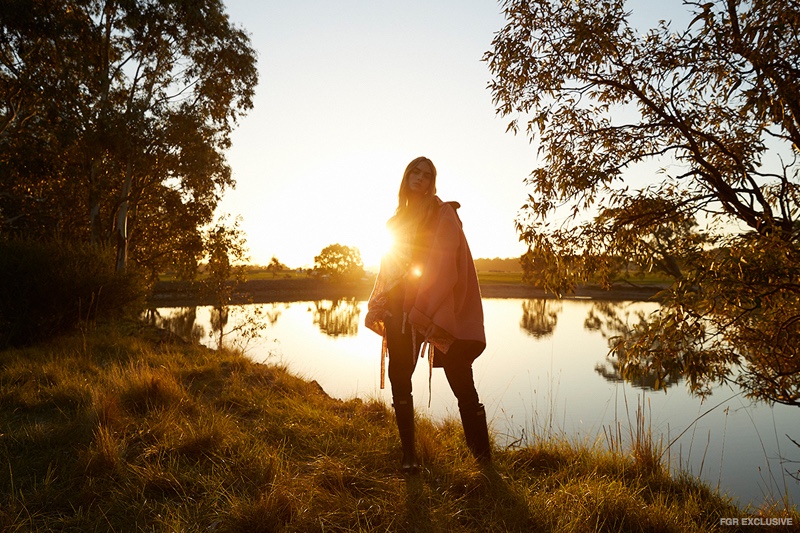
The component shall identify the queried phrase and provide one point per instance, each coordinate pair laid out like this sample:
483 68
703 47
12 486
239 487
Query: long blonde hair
409 216
403 194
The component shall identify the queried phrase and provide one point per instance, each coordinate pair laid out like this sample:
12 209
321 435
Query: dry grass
115 431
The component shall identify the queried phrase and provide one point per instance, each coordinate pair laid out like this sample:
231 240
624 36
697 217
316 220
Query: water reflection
539 317
612 320
272 312
210 325
338 317
341 318
611 371
219 319
180 321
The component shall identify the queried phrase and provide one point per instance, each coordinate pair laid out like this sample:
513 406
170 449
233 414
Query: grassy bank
119 429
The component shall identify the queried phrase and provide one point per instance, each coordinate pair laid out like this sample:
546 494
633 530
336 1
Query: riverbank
122 429
179 294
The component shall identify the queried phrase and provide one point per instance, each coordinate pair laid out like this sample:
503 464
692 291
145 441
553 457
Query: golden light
374 245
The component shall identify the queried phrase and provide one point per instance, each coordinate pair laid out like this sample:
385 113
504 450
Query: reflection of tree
539 317
611 319
182 323
338 317
610 370
272 313
614 320
246 323
219 319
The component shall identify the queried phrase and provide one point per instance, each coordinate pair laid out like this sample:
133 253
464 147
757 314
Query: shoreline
181 294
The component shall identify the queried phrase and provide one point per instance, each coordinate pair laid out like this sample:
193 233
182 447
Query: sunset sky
351 91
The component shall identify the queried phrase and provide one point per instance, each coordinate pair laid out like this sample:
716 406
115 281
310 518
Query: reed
118 430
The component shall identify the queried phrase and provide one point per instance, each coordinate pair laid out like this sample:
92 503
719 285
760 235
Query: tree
275 266
114 119
339 262
226 254
715 107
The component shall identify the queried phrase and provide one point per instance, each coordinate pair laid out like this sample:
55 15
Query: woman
427 293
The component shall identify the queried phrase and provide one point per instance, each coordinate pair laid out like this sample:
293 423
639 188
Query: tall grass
120 430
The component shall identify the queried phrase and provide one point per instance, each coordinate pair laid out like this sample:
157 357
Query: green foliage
121 431
226 252
668 151
114 121
339 262
737 308
49 288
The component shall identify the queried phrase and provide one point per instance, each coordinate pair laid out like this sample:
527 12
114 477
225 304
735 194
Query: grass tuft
143 388
104 454
269 512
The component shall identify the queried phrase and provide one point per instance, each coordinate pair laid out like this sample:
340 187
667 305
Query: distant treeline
509 264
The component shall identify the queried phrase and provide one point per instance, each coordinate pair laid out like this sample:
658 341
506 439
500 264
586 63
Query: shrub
51 287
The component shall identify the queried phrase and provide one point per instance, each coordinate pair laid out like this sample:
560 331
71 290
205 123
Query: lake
544 373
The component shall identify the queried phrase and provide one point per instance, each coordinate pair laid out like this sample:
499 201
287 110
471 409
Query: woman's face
420 179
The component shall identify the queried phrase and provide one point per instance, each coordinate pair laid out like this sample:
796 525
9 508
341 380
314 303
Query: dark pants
457 362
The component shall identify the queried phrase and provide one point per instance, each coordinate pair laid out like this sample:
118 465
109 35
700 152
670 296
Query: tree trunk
95 224
123 235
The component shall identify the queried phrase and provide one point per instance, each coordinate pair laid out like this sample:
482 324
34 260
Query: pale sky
350 91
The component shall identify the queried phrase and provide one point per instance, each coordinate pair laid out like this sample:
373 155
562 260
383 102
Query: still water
544 373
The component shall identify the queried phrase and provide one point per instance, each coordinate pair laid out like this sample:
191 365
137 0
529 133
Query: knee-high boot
476 432
404 414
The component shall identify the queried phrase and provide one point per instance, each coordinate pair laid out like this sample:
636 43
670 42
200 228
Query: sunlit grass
116 430
484 276
499 277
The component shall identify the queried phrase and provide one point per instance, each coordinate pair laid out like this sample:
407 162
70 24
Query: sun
373 244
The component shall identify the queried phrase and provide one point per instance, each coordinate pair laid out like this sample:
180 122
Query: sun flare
375 245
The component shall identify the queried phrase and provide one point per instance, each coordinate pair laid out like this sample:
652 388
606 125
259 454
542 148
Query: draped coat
442 299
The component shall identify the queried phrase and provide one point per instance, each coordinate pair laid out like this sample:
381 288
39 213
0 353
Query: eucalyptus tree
129 106
669 149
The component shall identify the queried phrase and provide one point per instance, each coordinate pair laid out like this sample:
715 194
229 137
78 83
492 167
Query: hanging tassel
384 354
430 373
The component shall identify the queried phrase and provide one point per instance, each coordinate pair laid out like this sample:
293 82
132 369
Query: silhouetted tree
275 266
339 262
716 106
